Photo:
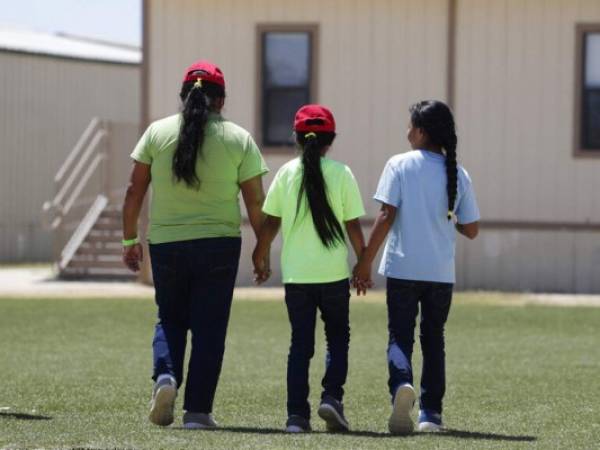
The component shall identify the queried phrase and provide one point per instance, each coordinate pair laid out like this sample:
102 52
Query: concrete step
98 274
111 214
102 236
95 249
96 264
107 225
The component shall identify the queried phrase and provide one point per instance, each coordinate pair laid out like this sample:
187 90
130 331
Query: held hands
361 277
262 266
133 256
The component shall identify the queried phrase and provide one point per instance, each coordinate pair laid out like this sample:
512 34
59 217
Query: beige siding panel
513 102
537 261
514 107
515 93
46 104
375 59
354 54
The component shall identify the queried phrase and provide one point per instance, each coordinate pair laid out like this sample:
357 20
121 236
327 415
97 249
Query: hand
262 267
133 255
361 277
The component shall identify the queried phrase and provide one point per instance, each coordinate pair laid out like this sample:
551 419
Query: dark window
286 81
590 105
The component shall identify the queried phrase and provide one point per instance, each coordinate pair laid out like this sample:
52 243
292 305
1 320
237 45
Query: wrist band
130 242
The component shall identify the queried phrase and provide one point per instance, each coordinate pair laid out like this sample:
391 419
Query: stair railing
80 195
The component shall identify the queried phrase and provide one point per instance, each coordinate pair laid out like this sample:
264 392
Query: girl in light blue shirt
425 198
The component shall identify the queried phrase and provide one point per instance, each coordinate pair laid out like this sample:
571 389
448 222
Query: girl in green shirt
310 198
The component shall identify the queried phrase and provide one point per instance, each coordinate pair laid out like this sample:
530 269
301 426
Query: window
589 104
286 80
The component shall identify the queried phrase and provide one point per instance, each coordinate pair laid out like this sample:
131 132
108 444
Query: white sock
166 375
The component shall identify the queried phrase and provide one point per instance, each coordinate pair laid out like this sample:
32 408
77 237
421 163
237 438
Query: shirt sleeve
353 204
272 204
143 149
467 210
389 189
252 164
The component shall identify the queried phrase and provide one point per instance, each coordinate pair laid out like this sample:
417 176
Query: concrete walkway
39 282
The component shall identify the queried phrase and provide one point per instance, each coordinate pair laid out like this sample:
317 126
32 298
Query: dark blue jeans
302 301
403 298
194 283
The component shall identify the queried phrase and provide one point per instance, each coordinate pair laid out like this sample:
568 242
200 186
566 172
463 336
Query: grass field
75 374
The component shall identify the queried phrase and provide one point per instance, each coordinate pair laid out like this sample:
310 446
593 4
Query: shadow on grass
462 434
23 416
450 433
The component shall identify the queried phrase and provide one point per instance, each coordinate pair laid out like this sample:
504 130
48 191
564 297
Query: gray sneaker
198 421
297 424
163 401
332 412
400 420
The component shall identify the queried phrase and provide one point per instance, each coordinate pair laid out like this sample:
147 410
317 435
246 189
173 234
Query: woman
197 163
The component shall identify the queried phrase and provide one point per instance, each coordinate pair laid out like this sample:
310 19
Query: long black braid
197 99
328 227
436 120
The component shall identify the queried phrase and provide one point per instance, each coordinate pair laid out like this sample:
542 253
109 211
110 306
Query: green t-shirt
179 213
304 258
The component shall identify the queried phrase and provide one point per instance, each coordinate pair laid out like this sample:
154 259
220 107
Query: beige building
51 87
523 78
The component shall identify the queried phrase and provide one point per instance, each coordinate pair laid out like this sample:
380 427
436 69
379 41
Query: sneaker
332 412
198 421
400 420
163 401
297 424
430 421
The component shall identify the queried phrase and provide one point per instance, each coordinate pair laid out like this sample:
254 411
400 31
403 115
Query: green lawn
75 373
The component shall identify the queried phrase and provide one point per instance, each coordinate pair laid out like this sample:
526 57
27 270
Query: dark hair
313 184
196 100
436 120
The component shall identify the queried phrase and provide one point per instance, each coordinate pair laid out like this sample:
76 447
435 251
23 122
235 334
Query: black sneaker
297 424
332 412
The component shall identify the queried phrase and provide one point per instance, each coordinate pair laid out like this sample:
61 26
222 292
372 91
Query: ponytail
436 120
197 98
313 184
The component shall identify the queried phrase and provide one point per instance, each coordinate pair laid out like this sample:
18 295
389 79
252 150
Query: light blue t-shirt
420 244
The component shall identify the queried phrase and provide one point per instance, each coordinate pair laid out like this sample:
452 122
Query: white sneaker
430 421
400 421
163 401
198 421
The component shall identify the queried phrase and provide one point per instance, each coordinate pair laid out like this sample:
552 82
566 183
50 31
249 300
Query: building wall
369 70
46 104
513 90
514 103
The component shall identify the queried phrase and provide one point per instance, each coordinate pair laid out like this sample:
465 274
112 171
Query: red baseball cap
211 73
308 113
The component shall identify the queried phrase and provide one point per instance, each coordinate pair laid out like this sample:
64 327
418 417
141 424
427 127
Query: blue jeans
194 283
403 298
302 301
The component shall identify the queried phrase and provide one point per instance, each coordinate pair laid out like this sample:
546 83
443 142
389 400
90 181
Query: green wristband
130 242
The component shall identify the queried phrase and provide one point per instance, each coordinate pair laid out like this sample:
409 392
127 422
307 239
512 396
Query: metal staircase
85 212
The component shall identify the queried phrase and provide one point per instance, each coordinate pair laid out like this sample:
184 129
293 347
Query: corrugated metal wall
515 100
46 104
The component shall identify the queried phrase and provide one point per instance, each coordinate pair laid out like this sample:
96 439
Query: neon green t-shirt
179 213
304 258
